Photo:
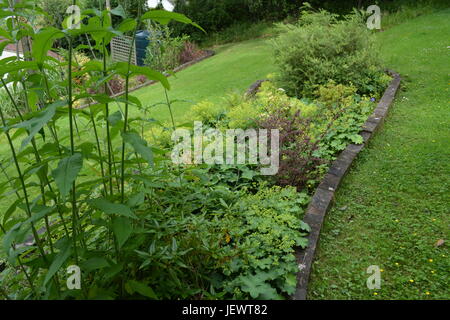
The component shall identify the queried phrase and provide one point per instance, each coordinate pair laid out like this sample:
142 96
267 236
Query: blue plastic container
141 46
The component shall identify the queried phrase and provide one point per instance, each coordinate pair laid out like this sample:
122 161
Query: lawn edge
322 199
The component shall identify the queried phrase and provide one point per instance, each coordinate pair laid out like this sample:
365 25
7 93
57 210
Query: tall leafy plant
67 212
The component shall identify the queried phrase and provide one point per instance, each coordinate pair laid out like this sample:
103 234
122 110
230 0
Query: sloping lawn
394 205
233 69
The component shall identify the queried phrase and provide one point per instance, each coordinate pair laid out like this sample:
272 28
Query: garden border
322 199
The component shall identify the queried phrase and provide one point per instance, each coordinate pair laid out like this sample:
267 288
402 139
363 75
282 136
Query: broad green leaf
66 173
256 286
112 208
132 100
124 68
39 212
93 65
164 17
119 11
127 25
5 34
34 125
95 24
113 270
12 235
139 145
133 286
11 210
9 13
94 263
137 199
3 45
122 229
43 42
93 11
60 259
16 66
115 118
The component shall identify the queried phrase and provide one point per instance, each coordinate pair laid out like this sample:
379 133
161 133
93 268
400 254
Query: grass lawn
233 69
394 205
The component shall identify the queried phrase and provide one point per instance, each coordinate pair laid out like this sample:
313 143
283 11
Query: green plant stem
72 151
108 135
10 181
100 155
24 188
38 158
125 124
169 105
52 126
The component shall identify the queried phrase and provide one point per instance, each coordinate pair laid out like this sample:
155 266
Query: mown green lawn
233 69
393 206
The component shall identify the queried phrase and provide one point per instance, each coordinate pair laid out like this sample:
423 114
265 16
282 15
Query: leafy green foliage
322 47
66 173
312 132
163 51
137 226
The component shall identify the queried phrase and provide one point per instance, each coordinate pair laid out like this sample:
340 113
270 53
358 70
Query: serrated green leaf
133 286
43 42
34 125
57 263
256 286
66 173
122 229
112 208
139 145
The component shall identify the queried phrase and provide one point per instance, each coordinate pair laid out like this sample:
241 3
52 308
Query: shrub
212 15
164 50
244 115
322 47
190 52
206 112
299 163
